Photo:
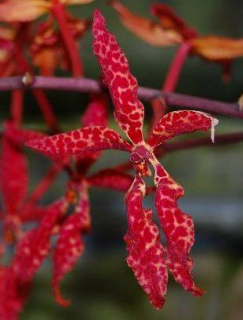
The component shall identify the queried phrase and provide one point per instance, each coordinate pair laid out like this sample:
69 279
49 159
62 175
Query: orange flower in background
47 48
211 48
29 10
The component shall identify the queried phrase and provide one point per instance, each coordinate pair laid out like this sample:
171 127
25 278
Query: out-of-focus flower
211 48
29 10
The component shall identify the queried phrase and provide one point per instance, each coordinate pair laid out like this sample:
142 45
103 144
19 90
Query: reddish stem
173 74
68 40
44 184
40 97
46 109
16 109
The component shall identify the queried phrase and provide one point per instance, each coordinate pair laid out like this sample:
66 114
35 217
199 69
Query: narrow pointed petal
35 245
180 122
13 175
129 111
145 252
23 10
78 141
217 48
13 294
96 114
19 135
111 179
178 228
146 29
70 244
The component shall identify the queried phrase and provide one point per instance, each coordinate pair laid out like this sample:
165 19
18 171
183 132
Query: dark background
102 286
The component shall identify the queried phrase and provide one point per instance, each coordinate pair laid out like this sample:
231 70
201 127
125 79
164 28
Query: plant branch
147 94
220 139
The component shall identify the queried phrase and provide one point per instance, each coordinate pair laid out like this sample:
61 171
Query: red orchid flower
18 208
31 250
129 114
70 243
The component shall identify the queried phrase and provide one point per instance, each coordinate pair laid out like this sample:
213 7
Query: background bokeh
102 286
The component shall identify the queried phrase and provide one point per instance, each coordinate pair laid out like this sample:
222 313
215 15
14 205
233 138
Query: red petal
178 228
13 175
19 135
70 244
145 252
112 179
96 114
180 122
78 141
171 21
13 294
35 245
146 29
129 111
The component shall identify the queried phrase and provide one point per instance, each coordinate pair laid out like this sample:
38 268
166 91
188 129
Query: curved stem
68 40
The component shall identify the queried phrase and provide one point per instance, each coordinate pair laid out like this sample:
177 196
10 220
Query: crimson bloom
146 255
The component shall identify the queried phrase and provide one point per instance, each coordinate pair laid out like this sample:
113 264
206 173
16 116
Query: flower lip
140 153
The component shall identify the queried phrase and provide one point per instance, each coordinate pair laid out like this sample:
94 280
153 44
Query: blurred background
102 286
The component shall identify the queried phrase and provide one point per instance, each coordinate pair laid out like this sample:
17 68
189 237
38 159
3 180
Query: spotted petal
145 252
82 140
180 122
129 111
178 228
70 244
35 245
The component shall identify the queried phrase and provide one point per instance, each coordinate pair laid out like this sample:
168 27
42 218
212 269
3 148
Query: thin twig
147 94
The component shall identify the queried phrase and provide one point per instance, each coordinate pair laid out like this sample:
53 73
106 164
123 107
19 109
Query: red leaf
81 140
13 175
112 179
70 244
145 252
178 228
129 111
180 122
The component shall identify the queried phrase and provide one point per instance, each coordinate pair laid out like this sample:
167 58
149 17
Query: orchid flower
171 30
146 257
